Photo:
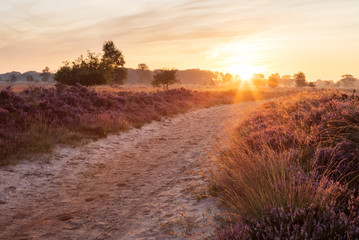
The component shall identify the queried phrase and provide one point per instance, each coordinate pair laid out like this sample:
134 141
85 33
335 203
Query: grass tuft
290 170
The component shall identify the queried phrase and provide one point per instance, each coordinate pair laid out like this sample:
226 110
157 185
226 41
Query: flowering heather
291 170
36 118
309 122
311 222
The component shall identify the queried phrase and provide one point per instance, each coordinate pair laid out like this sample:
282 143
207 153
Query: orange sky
318 37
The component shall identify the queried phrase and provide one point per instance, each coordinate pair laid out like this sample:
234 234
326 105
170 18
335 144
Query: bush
94 70
85 71
164 78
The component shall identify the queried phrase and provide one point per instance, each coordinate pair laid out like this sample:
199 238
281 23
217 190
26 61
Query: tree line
30 76
108 68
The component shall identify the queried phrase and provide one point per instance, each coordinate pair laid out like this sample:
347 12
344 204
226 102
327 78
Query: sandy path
137 185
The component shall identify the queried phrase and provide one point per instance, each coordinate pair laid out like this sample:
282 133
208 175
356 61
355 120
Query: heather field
144 183
35 119
290 170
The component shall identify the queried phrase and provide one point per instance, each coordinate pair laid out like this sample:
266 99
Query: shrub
85 71
164 78
94 70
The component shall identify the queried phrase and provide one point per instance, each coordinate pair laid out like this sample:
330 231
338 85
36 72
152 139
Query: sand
140 184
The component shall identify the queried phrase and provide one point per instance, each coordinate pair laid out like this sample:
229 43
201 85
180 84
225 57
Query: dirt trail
137 185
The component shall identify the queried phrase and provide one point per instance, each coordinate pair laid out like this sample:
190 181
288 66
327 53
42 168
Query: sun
241 57
245 72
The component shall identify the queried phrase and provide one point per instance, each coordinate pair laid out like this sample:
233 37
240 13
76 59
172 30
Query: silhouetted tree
217 77
300 80
258 80
273 80
197 76
86 71
348 80
112 55
45 74
30 78
324 83
329 83
144 74
12 78
113 60
227 78
311 84
94 69
287 80
164 78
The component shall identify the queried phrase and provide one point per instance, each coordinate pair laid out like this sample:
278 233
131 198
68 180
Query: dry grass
149 88
21 86
293 161
255 181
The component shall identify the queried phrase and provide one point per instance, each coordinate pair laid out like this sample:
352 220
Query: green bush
94 69
164 78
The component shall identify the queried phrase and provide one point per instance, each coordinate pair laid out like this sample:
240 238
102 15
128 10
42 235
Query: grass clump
289 172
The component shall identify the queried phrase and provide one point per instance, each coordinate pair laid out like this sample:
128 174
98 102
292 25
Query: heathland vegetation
290 170
37 118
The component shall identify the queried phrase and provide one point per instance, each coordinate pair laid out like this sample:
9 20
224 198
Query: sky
317 37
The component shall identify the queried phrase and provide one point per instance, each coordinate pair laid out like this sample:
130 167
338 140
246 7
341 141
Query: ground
142 184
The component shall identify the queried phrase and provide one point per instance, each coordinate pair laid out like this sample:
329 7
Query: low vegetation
35 119
291 170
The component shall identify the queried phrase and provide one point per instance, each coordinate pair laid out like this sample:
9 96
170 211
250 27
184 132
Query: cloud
194 20
181 33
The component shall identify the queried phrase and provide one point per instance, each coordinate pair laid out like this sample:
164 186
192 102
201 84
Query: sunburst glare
240 57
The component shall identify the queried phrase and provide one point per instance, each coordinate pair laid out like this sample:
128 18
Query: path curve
136 185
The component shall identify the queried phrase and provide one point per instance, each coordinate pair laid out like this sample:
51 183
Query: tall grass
253 182
290 173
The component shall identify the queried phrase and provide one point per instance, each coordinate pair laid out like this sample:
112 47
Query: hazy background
318 37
